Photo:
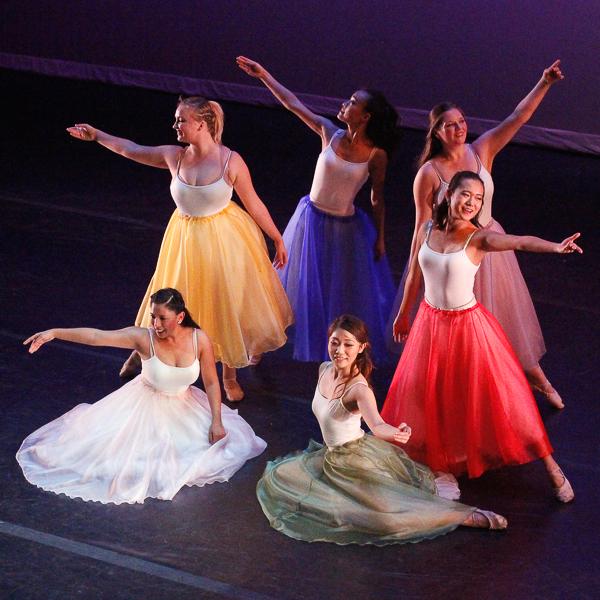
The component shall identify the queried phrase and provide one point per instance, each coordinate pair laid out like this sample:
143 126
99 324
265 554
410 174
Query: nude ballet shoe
563 493
233 390
549 393
255 359
487 520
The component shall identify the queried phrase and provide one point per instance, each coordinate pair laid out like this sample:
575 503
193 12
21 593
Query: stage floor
79 236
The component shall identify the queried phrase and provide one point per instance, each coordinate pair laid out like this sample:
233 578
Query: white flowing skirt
136 443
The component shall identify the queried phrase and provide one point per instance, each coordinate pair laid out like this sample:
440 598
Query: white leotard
449 277
337 181
338 424
166 378
201 200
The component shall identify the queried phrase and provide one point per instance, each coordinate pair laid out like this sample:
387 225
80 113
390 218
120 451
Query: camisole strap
352 386
437 172
179 159
152 351
337 132
226 164
195 341
428 232
323 372
477 159
469 239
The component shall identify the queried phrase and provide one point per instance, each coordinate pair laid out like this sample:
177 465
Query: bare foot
233 390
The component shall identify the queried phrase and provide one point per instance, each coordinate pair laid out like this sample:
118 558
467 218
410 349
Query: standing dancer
213 250
155 434
357 488
337 258
458 380
499 284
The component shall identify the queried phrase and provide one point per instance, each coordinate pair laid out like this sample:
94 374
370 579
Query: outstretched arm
377 169
320 125
492 141
134 338
154 156
211 386
365 400
490 241
242 183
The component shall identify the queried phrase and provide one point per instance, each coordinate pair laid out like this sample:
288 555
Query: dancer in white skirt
155 434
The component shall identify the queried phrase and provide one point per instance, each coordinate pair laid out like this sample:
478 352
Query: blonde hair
208 111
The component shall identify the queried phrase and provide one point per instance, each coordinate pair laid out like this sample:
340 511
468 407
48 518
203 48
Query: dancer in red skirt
459 383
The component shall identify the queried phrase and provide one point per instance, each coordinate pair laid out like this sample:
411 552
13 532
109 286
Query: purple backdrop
484 54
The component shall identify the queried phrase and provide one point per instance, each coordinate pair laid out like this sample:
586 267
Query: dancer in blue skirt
337 260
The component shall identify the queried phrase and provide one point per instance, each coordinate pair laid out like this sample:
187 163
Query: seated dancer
212 251
155 434
458 380
337 260
357 488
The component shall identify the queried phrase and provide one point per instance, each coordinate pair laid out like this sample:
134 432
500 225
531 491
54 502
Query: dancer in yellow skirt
212 250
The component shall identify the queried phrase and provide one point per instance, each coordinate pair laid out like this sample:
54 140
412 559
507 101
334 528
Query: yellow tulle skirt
221 266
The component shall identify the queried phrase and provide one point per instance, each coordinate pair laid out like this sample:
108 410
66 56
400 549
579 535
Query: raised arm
242 183
489 241
162 157
365 401
212 388
491 142
320 125
377 169
134 338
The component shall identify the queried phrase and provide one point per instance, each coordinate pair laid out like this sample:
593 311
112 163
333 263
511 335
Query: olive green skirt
366 491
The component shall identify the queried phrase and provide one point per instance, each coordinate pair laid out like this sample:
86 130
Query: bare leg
131 367
560 484
233 390
485 519
539 383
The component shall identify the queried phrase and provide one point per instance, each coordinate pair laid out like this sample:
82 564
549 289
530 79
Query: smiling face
353 111
186 124
164 320
466 200
452 129
343 349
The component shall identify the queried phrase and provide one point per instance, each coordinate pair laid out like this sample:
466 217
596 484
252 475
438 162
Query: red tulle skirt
460 386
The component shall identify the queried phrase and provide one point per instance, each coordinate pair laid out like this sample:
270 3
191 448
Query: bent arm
242 183
134 338
320 125
377 171
153 156
491 142
365 400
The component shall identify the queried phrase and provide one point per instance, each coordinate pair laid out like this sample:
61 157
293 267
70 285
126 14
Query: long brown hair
363 364
433 146
441 211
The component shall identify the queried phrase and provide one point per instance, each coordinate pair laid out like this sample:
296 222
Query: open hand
250 67
83 131
401 328
553 73
568 245
37 340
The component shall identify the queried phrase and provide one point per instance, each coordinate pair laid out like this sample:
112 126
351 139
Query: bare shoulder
378 159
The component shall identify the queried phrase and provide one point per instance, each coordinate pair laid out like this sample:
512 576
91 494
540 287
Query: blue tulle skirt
331 271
